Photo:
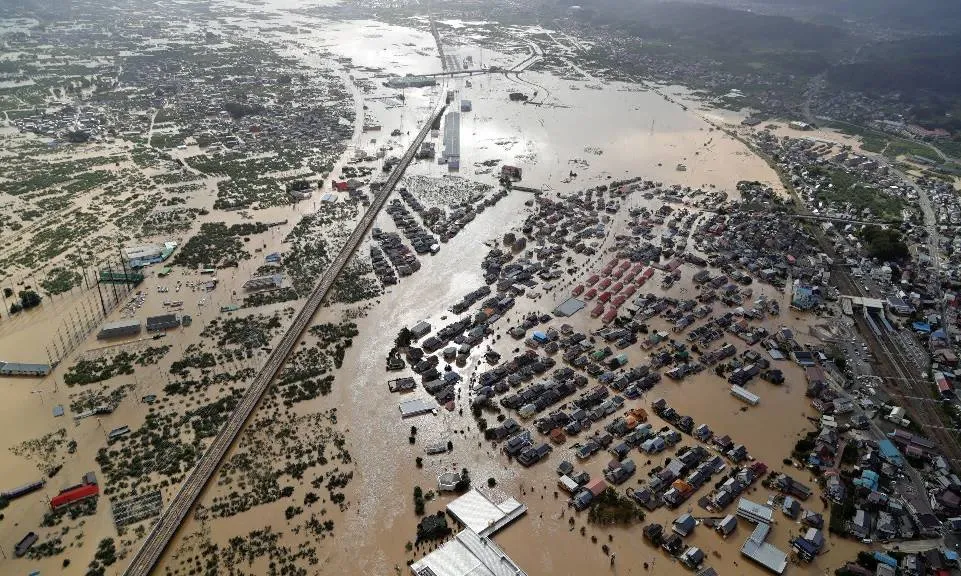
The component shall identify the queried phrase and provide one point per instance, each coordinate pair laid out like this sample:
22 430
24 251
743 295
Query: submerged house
805 298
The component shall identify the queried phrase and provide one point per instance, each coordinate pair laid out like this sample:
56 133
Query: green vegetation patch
194 357
253 331
314 241
89 399
60 280
305 376
901 147
263 298
611 508
951 148
355 283
52 546
884 243
871 140
106 367
161 446
268 544
871 143
54 238
848 189
105 556
248 183
284 445
86 507
217 245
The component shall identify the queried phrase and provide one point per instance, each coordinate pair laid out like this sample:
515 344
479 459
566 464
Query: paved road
914 546
933 240
891 357
912 486
170 520
905 383
842 220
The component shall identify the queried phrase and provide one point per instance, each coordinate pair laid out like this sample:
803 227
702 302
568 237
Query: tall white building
452 139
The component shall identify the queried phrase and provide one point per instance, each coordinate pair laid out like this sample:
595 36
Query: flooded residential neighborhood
485 288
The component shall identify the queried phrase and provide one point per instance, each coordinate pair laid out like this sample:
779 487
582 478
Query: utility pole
103 305
73 318
83 268
123 262
113 282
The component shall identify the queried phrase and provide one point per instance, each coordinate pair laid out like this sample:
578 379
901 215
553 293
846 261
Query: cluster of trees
105 556
78 136
919 69
884 243
611 508
418 501
804 446
404 338
27 299
298 185
238 110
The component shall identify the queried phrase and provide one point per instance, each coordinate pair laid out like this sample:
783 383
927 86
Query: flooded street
598 134
542 542
573 133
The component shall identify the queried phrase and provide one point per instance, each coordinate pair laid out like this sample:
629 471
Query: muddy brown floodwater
542 542
598 130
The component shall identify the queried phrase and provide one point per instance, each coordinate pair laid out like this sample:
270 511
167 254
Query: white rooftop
478 513
744 394
416 407
142 251
763 553
466 554
754 512
874 303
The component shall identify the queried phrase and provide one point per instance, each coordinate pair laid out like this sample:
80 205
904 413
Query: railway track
913 392
176 512
911 389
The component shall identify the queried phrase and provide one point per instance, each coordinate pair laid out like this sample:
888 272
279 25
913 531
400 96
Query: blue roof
451 376
869 479
889 451
538 335
885 559
950 555
921 326
806 546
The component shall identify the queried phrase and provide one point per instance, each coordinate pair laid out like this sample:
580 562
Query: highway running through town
173 516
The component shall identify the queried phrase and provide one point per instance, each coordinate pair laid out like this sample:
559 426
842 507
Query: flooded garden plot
132 180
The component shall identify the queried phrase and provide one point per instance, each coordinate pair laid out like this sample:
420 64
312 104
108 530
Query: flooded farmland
321 479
